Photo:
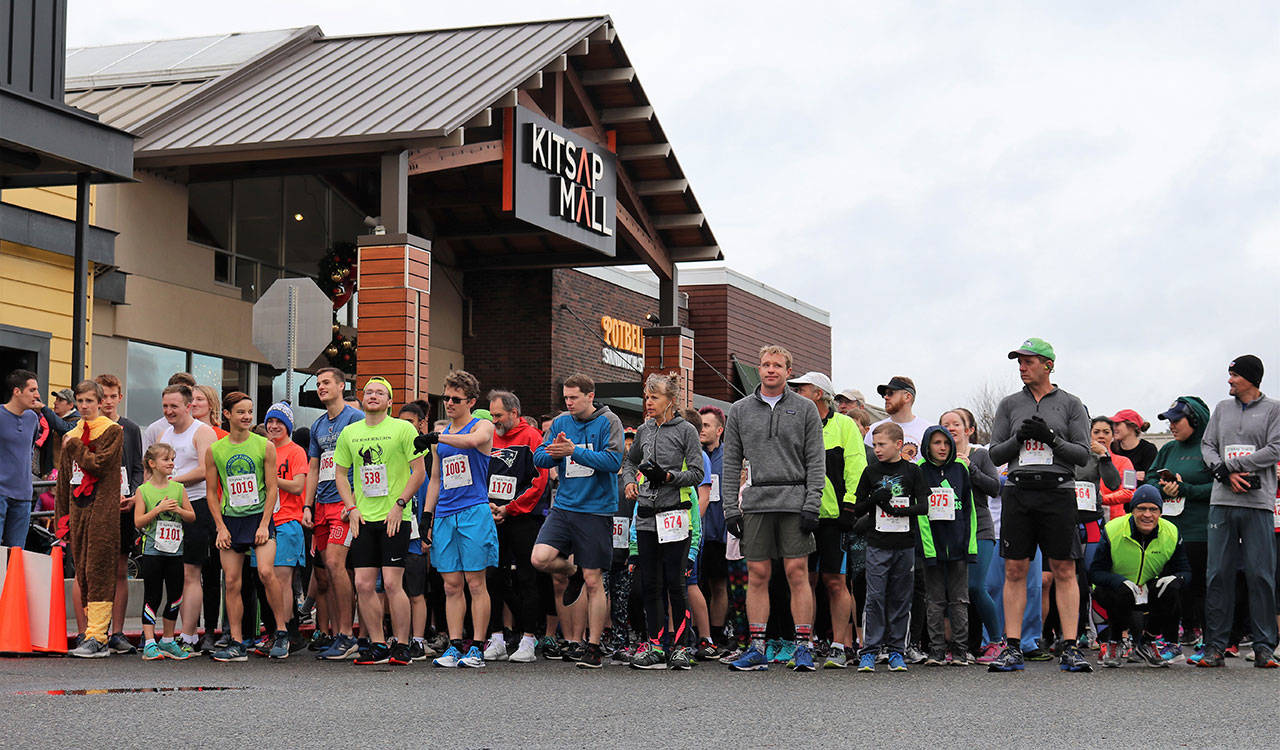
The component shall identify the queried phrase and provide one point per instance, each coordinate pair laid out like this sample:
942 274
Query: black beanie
1248 367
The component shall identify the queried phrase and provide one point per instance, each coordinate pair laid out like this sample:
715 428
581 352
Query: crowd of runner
790 532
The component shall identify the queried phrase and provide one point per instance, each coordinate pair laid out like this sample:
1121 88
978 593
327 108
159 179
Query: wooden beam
662 187
510 99
607 75
694 254
645 151
603 34
678 221
581 48
557 65
526 100
532 83
422 161
617 115
483 119
646 246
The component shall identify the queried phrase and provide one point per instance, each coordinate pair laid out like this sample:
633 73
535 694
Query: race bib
502 487
1130 480
168 537
1173 506
456 471
888 524
1277 513
414 531
1238 451
77 474
732 547
1034 453
124 482
673 525
1086 496
242 490
715 488
373 479
621 532
1141 595
575 469
327 472
942 504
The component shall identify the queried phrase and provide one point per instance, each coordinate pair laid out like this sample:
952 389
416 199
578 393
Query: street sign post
292 321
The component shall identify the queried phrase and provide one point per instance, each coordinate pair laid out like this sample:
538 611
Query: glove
1222 474
734 526
1037 429
688 567
1133 587
1024 429
881 497
422 442
653 473
808 521
846 518
1163 583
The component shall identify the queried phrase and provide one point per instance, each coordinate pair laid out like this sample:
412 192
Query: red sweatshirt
523 434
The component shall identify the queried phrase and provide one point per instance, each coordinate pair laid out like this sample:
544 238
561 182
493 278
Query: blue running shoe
752 660
867 663
343 647
450 658
897 663
474 659
786 650
801 659
771 650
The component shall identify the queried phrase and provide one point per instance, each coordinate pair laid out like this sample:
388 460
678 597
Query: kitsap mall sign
560 181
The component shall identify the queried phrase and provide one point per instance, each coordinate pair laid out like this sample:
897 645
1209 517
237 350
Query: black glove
863 525
1222 474
688 567
881 497
734 526
653 473
424 527
808 521
1040 430
423 442
846 518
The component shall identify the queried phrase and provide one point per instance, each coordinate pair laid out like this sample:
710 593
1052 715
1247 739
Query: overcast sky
945 179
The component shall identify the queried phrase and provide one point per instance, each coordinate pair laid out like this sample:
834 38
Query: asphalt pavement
304 703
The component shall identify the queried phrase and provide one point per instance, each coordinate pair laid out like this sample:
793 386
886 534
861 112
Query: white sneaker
525 653
495 651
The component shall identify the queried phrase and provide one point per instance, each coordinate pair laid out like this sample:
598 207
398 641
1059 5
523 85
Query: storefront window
148 368
209 214
258 218
306 224
207 370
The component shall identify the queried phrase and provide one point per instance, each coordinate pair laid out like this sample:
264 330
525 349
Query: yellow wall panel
56 201
36 292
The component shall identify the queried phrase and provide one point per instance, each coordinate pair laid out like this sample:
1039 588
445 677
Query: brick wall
508 343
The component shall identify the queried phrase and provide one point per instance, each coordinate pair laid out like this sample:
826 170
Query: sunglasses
454 399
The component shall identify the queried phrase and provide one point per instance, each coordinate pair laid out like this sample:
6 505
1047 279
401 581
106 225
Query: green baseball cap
1034 346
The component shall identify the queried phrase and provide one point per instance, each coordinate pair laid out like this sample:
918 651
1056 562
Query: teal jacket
1186 459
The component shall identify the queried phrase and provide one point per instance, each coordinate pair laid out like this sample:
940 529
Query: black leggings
161 574
514 582
663 567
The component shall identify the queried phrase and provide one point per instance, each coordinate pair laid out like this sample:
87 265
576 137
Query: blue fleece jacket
598 455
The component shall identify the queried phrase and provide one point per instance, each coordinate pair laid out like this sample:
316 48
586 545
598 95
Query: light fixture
297 217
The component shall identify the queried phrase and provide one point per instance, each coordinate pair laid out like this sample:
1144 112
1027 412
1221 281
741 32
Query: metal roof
128 107
364 88
201 57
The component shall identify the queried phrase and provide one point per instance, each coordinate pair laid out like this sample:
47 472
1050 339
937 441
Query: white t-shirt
912 434
772 401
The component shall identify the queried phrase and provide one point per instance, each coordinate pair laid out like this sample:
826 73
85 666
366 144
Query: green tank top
244 489
151 497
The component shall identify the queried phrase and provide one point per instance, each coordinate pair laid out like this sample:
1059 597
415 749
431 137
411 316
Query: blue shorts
466 540
586 536
244 529
290 547
693 565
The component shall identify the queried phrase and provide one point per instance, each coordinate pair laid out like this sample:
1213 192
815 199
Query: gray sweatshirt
671 445
1061 411
783 447
1254 427
986 484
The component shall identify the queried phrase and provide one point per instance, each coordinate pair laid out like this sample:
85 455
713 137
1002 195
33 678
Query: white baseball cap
815 379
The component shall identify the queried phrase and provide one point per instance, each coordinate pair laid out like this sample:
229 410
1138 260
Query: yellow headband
383 382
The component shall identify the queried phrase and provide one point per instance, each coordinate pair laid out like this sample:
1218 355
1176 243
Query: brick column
393 312
669 349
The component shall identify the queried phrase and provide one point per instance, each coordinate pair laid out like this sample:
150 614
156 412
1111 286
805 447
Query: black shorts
199 535
588 537
415 575
712 563
374 549
831 556
128 532
244 530
1039 518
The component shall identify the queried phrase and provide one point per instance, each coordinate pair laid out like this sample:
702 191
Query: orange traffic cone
15 632
57 643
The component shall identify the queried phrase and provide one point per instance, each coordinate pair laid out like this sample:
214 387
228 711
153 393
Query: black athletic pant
1123 614
211 583
515 581
161 574
664 566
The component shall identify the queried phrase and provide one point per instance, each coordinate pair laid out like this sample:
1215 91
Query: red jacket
523 434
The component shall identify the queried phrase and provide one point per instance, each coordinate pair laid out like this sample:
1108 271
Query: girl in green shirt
160 513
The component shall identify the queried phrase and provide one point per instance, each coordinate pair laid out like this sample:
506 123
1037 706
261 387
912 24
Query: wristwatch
400 501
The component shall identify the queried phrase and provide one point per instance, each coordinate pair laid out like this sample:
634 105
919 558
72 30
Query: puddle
108 691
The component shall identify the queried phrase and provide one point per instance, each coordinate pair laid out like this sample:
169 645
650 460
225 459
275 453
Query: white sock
189 639
151 641
529 641
837 644
497 638
419 640
166 640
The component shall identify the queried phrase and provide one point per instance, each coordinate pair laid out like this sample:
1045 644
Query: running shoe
552 648
320 641
174 650
209 644
1110 657
1149 655
1232 651
223 641
473 660
867 663
233 651
152 652
681 659
279 645
897 663
437 643
707 651
649 656
592 658
801 658
1073 661
574 651
914 655
1038 654
76 641
771 650
118 644
90 648
786 650
836 659
1191 637
1130 655
417 650
1264 658
621 657
449 659
1196 656
936 658
989 652
960 659
752 660
401 655
343 647
1170 652
261 646
1210 657
374 653
1008 660
495 650
525 653
732 655
574 589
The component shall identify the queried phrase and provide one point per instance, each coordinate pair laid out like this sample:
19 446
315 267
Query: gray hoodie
1255 427
783 446
671 445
